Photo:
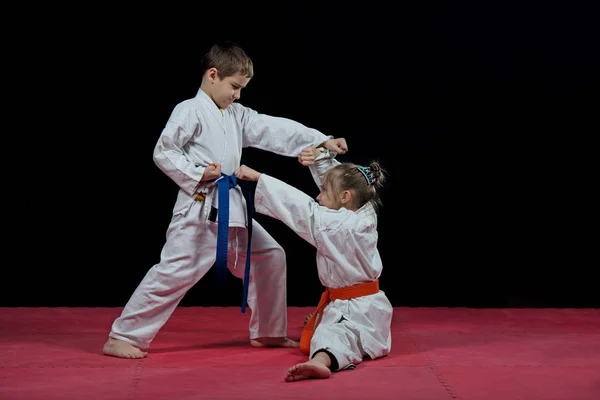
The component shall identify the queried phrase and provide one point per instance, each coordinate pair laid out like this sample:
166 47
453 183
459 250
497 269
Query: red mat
203 353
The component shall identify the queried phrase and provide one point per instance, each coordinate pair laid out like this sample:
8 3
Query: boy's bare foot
309 370
274 342
119 348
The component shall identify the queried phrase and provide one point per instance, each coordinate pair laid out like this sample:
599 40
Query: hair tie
367 173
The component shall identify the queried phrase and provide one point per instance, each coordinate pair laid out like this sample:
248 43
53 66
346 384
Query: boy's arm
281 136
168 152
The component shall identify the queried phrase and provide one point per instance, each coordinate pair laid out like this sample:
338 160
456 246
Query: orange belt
330 294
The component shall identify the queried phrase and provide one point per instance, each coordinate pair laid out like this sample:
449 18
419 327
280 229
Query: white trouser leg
267 287
341 340
189 252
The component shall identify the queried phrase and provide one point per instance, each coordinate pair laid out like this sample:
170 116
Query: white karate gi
347 254
196 134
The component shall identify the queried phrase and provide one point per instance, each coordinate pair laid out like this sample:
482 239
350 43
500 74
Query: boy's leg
189 252
267 287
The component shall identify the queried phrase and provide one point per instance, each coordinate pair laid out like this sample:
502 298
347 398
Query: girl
353 319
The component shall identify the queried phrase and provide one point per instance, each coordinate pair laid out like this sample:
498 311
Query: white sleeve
325 161
291 206
169 155
281 136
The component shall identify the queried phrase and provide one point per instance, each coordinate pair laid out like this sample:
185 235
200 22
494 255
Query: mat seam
136 378
431 364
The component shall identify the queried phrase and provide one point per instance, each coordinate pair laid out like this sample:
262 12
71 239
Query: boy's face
227 90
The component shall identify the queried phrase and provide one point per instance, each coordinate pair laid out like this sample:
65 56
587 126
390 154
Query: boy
202 140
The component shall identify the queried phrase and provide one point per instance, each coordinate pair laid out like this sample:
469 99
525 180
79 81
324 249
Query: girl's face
329 197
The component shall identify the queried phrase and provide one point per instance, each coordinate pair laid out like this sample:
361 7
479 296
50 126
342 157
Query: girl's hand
247 173
308 156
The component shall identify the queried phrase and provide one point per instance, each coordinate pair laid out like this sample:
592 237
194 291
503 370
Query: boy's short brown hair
229 59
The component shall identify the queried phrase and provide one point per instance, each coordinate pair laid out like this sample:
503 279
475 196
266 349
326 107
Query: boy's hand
247 173
338 145
212 171
308 156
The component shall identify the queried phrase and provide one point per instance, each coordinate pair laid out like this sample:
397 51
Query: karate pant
352 332
188 254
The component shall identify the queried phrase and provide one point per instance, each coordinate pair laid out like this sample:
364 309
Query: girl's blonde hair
364 182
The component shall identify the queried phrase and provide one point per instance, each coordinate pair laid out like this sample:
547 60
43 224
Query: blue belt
225 183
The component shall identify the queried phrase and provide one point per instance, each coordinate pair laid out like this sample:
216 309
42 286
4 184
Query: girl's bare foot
307 318
309 370
274 342
119 348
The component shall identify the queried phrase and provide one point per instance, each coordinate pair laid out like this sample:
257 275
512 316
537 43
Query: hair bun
375 170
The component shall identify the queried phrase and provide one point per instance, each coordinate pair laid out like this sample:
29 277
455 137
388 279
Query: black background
484 116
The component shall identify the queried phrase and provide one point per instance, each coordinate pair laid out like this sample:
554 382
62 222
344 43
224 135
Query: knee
276 255
279 255
270 258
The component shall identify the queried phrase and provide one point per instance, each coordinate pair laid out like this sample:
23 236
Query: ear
346 197
212 74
